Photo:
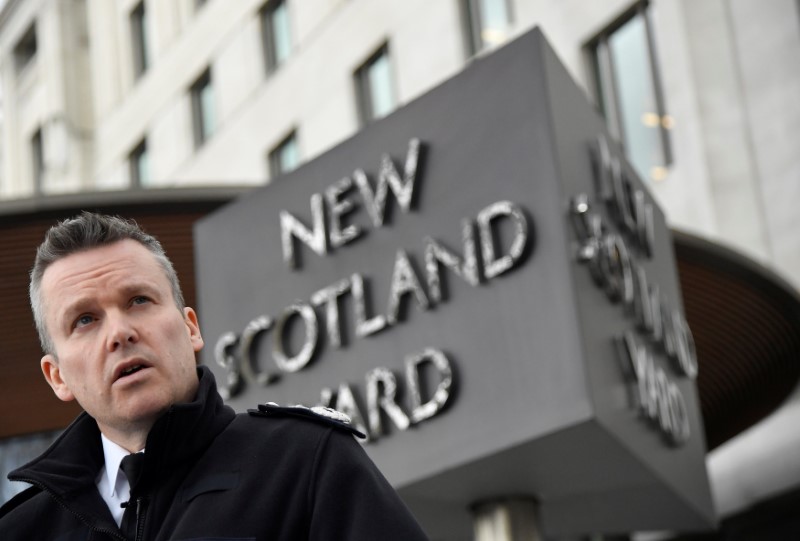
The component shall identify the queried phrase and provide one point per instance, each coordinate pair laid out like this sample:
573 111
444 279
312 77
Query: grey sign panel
483 285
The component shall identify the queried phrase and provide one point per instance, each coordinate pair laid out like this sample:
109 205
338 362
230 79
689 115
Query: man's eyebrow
128 290
138 288
72 308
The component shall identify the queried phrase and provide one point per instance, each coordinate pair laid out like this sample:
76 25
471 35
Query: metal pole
508 519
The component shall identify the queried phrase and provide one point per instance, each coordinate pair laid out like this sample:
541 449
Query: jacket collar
186 430
68 469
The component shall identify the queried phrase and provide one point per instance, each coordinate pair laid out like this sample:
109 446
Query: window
25 50
487 23
203 117
139 161
628 93
374 86
284 157
138 19
275 33
37 161
16 452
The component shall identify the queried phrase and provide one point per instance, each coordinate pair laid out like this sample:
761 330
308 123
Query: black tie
132 466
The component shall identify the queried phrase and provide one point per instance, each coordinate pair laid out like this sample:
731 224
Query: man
118 339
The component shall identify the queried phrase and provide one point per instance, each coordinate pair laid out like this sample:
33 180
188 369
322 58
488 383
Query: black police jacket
211 474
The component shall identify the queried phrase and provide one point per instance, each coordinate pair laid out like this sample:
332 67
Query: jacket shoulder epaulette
318 414
18 500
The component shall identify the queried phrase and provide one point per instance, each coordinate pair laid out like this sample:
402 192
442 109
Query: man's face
123 349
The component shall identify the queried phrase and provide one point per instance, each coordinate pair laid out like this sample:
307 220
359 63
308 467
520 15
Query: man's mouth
130 370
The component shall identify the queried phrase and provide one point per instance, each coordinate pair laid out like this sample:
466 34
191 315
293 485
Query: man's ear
190 317
52 373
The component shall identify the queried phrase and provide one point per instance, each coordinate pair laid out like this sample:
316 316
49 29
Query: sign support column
508 519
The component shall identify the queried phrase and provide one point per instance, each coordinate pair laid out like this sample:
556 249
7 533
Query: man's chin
138 416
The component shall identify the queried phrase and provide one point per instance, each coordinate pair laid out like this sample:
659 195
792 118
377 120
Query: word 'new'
339 203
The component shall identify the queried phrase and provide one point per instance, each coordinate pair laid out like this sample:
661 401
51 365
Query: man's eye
83 320
140 300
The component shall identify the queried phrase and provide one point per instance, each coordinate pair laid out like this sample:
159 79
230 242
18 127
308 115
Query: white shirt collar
113 487
113 455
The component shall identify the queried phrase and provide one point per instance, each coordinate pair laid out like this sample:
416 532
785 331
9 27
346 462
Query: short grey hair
83 232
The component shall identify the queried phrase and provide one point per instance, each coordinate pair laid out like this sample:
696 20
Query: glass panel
207 113
143 167
285 157
495 20
379 82
288 156
604 88
639 113
281 39
144 40
139 40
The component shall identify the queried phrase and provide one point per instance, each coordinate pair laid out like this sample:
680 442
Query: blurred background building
168 108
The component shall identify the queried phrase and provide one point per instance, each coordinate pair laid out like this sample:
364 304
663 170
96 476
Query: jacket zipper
79 516
141 511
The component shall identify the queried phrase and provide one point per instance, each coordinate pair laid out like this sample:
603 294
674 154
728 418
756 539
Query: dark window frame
134 161
26 48
276 168
37 161
472 21
199 127
600 67
138 26
366 109
268 45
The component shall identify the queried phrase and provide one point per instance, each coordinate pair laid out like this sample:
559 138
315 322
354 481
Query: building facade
138 94
146 95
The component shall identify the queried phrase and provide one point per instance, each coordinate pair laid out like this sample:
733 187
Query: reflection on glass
379 80
208 120
285 157
375 86
280 33
640 123
203 110
140 165
143 168
495 20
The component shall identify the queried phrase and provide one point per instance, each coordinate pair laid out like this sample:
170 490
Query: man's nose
121 332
